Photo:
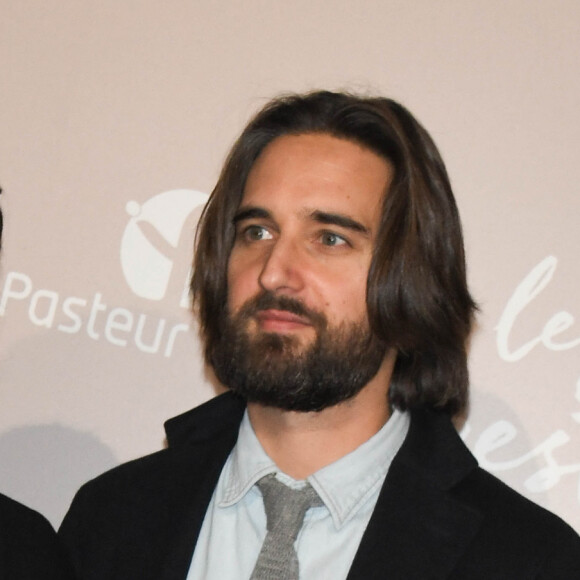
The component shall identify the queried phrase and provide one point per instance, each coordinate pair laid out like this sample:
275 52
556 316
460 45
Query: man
29 547
330 286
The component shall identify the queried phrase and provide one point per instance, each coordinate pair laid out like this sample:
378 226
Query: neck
301 443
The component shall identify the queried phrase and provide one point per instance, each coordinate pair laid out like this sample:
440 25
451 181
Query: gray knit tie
285 509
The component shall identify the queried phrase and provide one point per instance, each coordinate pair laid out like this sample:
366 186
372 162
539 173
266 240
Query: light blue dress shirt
234 527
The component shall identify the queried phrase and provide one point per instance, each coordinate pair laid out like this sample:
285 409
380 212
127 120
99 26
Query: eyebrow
340 220
251 212
322 217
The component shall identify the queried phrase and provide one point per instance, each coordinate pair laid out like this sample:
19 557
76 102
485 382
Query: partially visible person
29 547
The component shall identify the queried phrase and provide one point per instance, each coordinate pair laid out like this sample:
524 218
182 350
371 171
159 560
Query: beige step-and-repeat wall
115 118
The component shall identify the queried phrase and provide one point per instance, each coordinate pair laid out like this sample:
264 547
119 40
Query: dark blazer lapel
419 528
207 436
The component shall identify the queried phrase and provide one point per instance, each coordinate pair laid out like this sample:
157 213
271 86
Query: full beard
275 370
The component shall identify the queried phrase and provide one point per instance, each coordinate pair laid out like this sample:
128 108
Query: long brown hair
417 296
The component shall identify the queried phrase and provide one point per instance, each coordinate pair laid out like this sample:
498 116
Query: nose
282 271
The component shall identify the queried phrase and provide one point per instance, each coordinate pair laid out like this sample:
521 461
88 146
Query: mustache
269 301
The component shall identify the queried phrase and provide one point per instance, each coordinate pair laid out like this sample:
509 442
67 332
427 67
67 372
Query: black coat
438 516
29 547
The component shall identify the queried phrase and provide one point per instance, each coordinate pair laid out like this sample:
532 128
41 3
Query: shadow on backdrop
42 466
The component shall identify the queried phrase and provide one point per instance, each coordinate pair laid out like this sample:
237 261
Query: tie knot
285 507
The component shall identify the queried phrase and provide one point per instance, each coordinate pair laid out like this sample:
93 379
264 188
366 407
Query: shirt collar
247 464
344 486
348 483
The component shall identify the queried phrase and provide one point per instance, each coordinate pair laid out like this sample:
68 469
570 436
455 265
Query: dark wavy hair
417 296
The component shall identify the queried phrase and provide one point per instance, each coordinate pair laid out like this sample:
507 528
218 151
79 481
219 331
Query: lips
272 320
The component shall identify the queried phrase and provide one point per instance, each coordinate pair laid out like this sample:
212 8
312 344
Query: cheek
346 297
242 284
354 302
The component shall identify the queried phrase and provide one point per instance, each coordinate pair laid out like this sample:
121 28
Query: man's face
305 233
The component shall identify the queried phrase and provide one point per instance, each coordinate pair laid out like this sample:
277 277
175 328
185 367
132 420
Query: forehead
318 171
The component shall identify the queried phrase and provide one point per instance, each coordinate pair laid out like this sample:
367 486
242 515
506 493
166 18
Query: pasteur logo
151 237
149 250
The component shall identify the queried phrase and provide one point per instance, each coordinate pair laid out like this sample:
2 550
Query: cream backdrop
115 119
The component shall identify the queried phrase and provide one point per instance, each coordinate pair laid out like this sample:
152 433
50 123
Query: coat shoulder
191 438
145 506
510 510
514 537
516 530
